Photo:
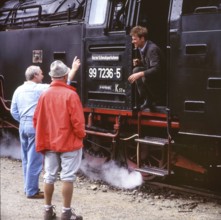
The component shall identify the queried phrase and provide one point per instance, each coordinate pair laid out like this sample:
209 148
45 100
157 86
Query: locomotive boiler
180 135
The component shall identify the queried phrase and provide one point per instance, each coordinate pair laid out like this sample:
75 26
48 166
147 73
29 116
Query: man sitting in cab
148 68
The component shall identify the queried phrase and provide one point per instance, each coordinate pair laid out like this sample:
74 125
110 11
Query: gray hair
31 71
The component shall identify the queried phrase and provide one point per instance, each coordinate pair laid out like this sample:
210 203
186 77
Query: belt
26 118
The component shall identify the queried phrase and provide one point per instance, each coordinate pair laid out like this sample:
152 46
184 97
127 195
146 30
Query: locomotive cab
109 51
113 121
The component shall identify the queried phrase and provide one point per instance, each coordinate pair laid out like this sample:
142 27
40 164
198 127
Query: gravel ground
95 200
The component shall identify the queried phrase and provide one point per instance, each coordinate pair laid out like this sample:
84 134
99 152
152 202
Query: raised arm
74 68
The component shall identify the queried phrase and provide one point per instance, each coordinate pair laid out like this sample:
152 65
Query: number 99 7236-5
114 73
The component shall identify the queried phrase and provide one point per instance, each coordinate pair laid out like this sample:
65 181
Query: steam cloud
112 174
109 172
9 146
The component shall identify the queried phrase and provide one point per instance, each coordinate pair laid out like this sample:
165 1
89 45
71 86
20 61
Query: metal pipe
8 124
169 147
103 134
138 143
4 105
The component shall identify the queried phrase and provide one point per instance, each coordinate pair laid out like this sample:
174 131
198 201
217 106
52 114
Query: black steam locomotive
183 134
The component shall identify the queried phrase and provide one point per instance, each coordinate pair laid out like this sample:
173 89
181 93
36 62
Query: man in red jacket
60 129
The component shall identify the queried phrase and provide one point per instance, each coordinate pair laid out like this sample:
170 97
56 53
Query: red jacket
59 119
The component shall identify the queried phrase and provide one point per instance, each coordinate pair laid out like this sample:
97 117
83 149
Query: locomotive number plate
103 73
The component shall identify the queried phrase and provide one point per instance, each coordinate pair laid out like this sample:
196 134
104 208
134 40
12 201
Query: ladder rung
152 141
154 171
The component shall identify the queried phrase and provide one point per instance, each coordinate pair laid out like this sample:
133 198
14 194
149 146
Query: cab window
98 12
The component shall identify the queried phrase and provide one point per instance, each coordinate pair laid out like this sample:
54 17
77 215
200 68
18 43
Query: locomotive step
154 171
153 141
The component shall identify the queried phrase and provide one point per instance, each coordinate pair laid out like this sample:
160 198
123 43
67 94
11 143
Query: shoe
70 215
136 108
49 214
38 195
146 104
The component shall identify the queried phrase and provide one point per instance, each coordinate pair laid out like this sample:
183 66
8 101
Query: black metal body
24 44
195 68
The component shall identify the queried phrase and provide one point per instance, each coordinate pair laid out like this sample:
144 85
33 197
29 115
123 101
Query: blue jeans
32 162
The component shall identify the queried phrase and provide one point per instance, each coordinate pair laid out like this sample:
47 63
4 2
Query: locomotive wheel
95 152
150 157
154 159
95 159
